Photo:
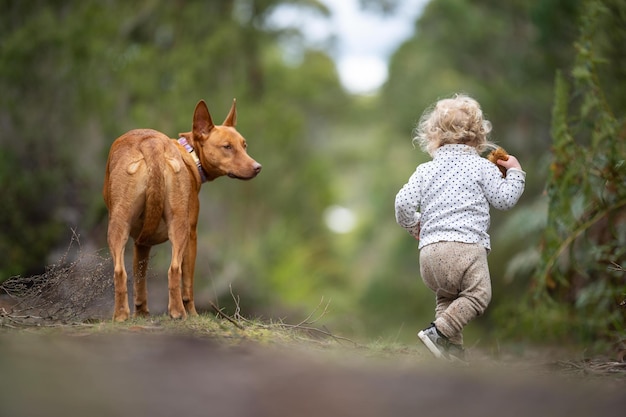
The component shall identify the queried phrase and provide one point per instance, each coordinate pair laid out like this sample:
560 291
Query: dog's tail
153 211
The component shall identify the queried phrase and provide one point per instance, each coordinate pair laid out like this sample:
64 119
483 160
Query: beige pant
458 273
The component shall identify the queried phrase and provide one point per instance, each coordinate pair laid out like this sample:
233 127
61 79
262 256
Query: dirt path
157 375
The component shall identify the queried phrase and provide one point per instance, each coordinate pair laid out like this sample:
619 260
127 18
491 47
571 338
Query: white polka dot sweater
448 198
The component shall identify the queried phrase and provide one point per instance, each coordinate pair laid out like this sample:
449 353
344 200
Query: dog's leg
189 264
175 304
179 237
118 236
140 267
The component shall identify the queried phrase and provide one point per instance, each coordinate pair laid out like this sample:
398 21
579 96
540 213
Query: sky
363 41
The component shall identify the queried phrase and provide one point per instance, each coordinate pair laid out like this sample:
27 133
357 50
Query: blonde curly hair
456 120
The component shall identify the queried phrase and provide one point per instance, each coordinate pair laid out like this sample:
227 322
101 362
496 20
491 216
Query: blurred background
328 93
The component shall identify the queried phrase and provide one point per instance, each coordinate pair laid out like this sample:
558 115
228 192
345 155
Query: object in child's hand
497 154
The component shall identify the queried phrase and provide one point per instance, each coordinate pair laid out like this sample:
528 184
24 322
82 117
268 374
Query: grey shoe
440 346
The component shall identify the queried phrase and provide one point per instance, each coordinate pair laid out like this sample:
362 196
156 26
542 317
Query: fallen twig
305 325
306 320
220 313
594 367
67 291
616 267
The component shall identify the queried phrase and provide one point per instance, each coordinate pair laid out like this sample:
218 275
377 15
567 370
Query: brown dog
151 188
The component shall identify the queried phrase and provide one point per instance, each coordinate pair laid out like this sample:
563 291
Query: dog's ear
231 119
202 122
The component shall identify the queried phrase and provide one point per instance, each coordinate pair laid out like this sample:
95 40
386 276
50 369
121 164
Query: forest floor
56 361
218 366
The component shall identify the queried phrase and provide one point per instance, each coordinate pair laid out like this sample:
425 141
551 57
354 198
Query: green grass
231 332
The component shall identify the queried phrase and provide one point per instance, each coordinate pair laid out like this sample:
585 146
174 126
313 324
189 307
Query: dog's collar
190 149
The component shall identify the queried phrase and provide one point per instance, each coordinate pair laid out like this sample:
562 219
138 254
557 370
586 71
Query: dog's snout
257 167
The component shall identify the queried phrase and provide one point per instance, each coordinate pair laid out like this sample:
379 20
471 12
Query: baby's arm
503 193
406 216
407 202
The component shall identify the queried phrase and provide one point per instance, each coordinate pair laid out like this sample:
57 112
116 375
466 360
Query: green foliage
586 226
37 177
28 228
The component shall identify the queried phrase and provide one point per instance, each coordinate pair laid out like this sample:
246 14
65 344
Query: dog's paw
178 313
121 315
496 155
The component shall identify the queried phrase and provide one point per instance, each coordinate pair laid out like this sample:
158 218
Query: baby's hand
512 162
419 229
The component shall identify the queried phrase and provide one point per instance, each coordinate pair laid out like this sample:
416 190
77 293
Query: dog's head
221 148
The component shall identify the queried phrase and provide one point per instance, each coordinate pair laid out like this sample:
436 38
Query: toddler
445 205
